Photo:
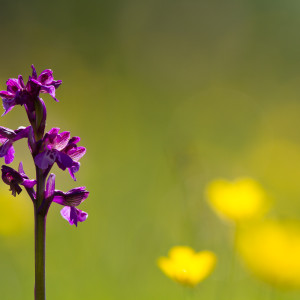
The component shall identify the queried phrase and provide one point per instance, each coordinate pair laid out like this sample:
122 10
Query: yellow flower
242 199
271 251
186 266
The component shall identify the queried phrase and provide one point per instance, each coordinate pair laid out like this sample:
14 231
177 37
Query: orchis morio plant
46 149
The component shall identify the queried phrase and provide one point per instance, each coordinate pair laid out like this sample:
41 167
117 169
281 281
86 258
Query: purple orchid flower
7 138
18 94
14 179
45 82
70 199
62 149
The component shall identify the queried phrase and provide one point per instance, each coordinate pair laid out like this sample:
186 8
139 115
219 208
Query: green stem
40 238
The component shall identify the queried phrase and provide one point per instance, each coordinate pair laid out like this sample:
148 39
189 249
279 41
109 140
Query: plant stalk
40 238
40 245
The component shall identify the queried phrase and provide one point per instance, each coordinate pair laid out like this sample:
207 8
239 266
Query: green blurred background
167 96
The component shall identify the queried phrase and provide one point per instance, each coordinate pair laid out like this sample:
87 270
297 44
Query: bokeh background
167 96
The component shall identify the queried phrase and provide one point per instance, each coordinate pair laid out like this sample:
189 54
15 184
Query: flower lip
73 215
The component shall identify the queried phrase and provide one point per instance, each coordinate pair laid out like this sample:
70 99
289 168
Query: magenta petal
61 140
10 155
21 81
36 82
8 105
59 199
21 132
56 83
50 186
31 140
74 140
7 133
4 148
13 85
73 197
63 161
45 159
50 89
81 215
21 169
34 74
74 168
73 215
53 131
28 183
7 151
12 178
46 77
77 153
7 95
66 214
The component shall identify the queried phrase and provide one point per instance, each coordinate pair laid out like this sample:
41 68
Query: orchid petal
73 215
61 140
74 169
53 131
63 161
50 186
7 95
5 147
8 105
21 169
49 89
7 133
10 155
29 183
77 153
45 159
56 83
21 133
31 140
13 85
34 74
12 178
73 197
46 77
21 81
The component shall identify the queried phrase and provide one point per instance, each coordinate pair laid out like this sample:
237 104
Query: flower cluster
46 148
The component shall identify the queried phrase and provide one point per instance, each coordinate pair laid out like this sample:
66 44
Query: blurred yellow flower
186 266
242 199
271 250
15 214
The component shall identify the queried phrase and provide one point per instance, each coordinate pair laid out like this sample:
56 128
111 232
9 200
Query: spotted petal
45 159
